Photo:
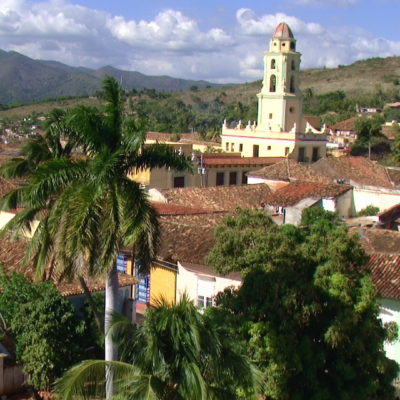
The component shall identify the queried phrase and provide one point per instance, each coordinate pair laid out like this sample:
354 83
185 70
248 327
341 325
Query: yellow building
281 129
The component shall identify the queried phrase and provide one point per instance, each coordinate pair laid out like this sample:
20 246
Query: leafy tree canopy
307 310
46 331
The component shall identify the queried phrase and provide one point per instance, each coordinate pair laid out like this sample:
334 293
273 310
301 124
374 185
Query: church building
281 129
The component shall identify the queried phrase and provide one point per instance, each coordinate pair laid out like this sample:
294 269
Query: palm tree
34 153
92 207
176 354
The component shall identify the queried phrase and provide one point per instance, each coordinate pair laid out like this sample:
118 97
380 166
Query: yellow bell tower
281 129
280 99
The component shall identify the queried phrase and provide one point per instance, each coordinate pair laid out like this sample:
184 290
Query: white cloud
173 43
170 30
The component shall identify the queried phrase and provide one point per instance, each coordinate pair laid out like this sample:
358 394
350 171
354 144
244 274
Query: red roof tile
283 31
165 209
314 121
289 170
188 238
218 198
385 273
12 254
295 192
345 125
6 186
359 170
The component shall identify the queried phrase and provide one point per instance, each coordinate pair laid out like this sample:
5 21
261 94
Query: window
244 178
286 151
272 83
256 150
315 154
240 147
227 146
220 177
293 65
232 178
270 115
273 63
292 46
268 147
179 181
302 154
291 109
292 88
205 291
232 146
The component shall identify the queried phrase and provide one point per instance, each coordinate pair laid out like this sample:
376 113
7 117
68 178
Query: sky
215 40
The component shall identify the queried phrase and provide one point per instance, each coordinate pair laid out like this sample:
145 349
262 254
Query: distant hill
24 80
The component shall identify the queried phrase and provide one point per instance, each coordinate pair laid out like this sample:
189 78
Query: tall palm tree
93 208
34 153
176 354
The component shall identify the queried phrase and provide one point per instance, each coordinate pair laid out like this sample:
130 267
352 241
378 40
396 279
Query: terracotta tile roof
12 254
188 238
394 175
378 240
358 170
173 209
314 121
219 198
390 131
6 186
294 192
283 31
224 160
385 273
289 170
345 125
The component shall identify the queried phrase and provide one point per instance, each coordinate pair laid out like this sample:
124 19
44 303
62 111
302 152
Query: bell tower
280 99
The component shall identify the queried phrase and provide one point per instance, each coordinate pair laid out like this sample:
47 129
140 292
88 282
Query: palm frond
158 155
16 168
87 380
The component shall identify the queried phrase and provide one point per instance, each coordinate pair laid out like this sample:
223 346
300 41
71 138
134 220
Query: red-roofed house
373 184
383 247
291 200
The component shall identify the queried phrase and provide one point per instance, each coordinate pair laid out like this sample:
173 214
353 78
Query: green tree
43 323
396 146
307 310
95 208
177 353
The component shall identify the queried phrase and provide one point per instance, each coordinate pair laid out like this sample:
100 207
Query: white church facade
281 129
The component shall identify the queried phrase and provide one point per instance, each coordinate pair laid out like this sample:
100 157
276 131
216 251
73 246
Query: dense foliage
48 336
307 310
176 354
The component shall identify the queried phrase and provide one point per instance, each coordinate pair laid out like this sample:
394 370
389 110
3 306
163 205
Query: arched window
293 65
292 88
272 83
273 63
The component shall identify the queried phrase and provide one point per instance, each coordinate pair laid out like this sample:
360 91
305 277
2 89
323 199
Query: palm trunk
112 305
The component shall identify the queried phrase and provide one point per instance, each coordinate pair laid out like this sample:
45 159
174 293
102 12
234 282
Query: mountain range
23 79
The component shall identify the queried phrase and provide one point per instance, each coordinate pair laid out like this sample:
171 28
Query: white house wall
187 282
390 312
344 205
379 197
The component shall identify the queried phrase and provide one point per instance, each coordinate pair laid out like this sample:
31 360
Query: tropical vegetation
176 354
86 206
307 310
